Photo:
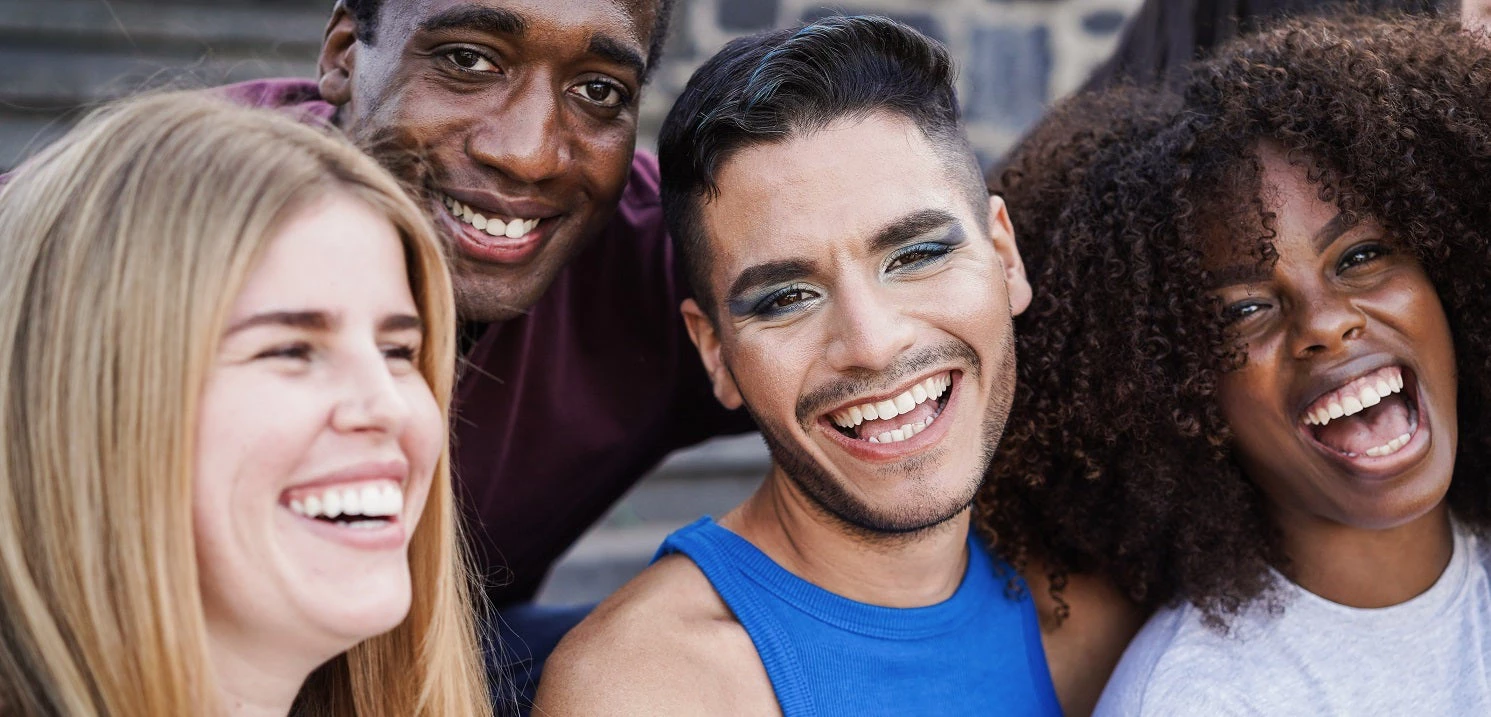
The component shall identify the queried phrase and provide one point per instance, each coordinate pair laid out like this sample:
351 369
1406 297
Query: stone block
1008 76
1102 22
747 15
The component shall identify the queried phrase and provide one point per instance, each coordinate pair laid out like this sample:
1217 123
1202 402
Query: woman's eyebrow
311 320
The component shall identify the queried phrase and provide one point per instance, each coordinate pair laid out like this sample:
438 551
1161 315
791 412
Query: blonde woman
226 347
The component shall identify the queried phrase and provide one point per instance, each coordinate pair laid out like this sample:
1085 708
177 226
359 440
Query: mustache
820 399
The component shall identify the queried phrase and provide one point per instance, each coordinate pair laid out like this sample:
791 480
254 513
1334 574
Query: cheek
251 435
424 435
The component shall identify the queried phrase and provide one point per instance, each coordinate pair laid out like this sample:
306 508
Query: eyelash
623 98
1376 251
765 306
930 251
302 351
1232 314
449 56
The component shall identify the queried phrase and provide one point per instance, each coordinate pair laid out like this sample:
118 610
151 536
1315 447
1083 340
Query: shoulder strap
709 546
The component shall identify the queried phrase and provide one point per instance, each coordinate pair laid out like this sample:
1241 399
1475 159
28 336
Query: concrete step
708 479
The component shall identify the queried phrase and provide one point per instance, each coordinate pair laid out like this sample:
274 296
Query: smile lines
493 226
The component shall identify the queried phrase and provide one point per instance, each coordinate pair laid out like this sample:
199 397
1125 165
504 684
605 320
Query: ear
1002 233
338 57
707 340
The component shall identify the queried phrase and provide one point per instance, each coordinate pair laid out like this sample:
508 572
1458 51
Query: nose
1325 323
524 139
869 331
370 398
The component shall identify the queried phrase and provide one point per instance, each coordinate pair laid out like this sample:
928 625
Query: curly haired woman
1254 386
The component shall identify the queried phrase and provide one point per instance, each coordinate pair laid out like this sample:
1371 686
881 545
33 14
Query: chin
361 608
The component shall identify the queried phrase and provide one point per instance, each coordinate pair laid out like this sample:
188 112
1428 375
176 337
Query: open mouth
483 234
1372 416
358 506
896 419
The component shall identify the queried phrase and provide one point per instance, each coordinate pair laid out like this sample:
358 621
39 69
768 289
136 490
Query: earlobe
338 56
707 340
1002 233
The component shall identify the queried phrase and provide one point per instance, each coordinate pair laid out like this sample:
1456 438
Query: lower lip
389 536
887 452
1382 467
482 246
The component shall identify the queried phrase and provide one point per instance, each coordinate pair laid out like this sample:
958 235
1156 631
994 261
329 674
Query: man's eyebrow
771 272
491 20
1328 233
401 322
908 227
310 320
613 50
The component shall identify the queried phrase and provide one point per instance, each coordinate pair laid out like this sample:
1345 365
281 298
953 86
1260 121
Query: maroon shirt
559 411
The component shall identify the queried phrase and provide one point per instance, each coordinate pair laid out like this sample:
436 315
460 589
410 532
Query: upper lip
394 469
495 205
888 395
1330 379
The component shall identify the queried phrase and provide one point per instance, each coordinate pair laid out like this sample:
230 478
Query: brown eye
470 60
786 300
601 93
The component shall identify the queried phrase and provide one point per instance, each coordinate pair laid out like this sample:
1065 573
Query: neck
256 682
895 570
1348 565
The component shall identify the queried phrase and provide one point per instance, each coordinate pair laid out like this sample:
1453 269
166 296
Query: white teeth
1355 396
930 389
491 225
372 501
887 410
904 403
1350 405
1391 447
369 501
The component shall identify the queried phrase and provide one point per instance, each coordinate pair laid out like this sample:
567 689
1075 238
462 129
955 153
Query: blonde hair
124 245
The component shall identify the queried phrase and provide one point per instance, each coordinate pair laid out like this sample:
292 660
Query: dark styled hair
768 87
1116 459
365 16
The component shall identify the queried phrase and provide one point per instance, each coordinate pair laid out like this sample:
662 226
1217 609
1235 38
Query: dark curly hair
365 15
1116 459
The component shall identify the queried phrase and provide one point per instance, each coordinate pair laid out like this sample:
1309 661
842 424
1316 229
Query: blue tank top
977 653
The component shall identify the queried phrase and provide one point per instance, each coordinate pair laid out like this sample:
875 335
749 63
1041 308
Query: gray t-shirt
1428 656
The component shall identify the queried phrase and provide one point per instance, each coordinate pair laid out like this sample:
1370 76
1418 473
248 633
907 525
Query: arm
662 645
1083 650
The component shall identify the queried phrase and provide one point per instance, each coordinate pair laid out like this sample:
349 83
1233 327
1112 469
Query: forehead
1284 190
826 190
626 19
336 252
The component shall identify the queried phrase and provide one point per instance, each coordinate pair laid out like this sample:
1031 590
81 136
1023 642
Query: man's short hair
365 16
768 87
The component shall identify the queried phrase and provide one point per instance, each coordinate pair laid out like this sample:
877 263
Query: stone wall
1014 56
57 56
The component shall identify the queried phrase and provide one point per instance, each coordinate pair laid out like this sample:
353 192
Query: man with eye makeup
579 376
854 289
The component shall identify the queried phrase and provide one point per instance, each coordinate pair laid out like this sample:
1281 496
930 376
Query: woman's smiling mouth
1371 422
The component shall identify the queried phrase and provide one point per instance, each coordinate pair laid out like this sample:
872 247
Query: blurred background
58 57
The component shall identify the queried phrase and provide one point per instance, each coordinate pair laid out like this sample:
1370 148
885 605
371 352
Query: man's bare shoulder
665 643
